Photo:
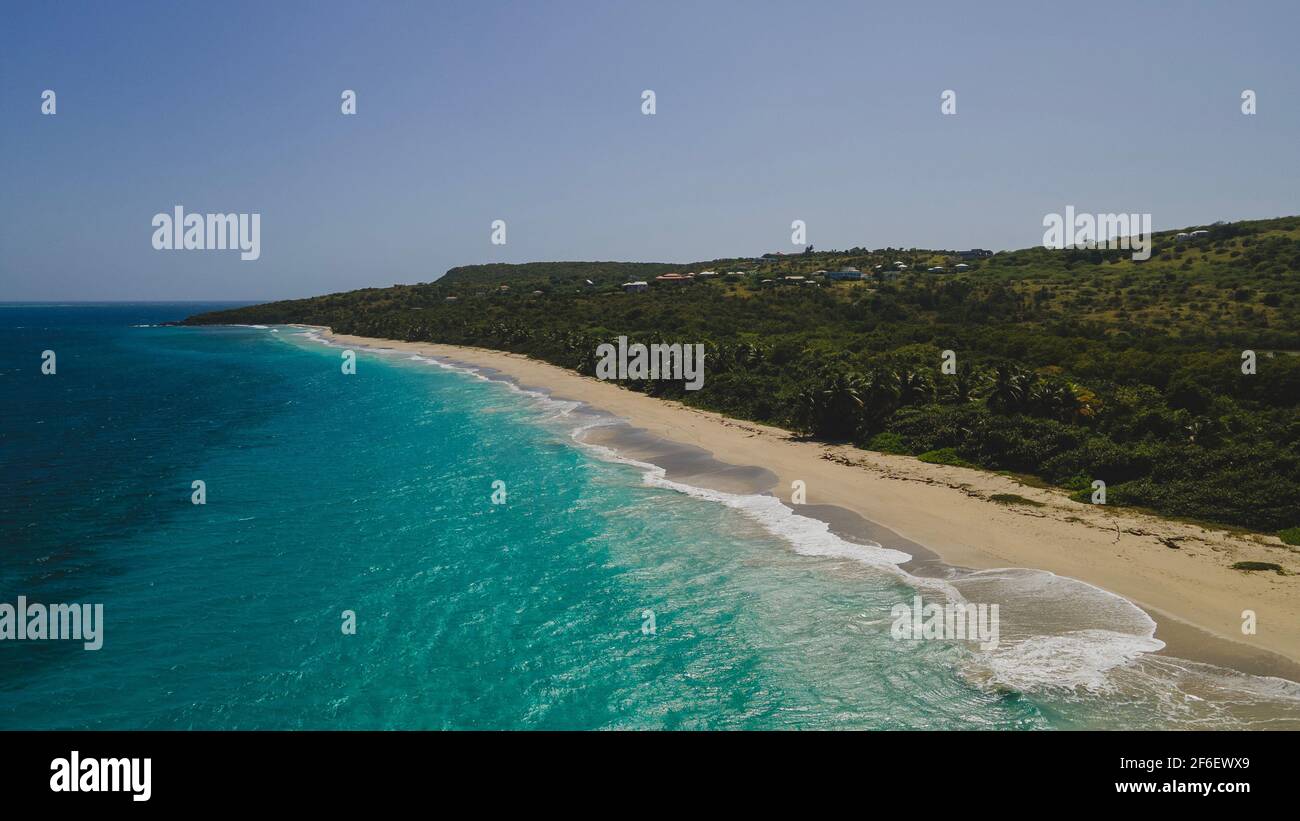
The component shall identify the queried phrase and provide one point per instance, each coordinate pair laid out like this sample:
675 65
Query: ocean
590 593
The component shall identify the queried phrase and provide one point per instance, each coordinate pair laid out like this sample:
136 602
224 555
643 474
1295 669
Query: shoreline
1178 573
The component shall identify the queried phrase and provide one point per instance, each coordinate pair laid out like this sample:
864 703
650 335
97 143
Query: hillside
543 274
1071 365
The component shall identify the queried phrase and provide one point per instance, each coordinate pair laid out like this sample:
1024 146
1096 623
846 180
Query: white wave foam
1079 659
1056 632
1063 633
808 536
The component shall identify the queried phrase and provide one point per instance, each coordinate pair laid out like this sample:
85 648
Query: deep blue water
372 493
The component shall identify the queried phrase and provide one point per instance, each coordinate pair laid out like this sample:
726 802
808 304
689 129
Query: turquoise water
373 493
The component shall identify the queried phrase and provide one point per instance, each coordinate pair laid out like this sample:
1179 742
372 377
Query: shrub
888 442
1099 458
1014 499
1249 566
932 427
944 456
1018 443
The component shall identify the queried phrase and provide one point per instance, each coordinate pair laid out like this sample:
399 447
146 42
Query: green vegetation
1014 499
888 442
945 456
1071 365
544 275
1249 566
1290 536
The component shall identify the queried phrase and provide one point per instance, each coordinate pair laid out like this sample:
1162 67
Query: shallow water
600 595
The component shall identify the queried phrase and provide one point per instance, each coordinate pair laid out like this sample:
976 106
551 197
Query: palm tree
964 386
914 387
807 410
1010 389
1003 392
844 402
1052 398
750 355
581 350
832 407
881 392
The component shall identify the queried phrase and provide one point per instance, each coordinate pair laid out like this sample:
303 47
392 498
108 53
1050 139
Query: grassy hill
1071 365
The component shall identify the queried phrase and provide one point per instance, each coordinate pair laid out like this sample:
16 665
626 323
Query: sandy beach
1179 573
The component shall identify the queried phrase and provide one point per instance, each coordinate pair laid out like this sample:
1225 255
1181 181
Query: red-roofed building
675 279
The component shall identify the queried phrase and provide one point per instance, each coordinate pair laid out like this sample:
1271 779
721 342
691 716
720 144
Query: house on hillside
848 272
961 266
675 279
1199 234
635 287
975 253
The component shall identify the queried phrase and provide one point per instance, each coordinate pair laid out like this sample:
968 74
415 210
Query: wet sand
695 466
942 516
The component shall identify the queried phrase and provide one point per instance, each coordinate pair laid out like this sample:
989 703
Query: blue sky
531 113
